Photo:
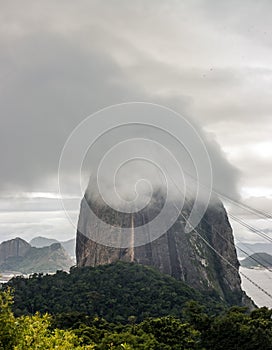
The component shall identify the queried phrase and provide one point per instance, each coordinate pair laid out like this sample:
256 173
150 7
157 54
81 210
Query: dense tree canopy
32 332
114 292
123 306
233 329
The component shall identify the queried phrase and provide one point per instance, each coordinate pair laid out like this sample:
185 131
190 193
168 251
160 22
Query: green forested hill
115 292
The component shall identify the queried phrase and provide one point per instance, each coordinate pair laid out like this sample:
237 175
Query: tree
171 332
8 325
32 332
237 329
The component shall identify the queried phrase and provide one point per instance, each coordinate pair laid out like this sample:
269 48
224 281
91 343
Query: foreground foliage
234 329
123 306
32 332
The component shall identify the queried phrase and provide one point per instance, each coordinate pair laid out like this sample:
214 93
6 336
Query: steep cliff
17 255
16 247
204 258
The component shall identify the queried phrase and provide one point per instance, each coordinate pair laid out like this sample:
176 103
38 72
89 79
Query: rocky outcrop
69 246
40 242
16 247
17 255
204 258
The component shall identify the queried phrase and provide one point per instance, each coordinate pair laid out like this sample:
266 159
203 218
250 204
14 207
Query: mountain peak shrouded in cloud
209 61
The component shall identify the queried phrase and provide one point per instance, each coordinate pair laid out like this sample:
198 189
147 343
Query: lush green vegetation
233 329
32 332
114 292
123 306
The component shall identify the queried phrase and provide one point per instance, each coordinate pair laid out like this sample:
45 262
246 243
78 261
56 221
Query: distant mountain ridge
251 248
263 260
19 256
40 242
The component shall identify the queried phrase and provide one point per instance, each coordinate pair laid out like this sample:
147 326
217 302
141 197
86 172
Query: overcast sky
60 61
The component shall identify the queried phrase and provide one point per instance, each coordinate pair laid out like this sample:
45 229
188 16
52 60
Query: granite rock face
204 258
19 256
16 247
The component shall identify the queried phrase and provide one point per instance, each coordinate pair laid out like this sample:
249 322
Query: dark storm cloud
62 61
52 87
